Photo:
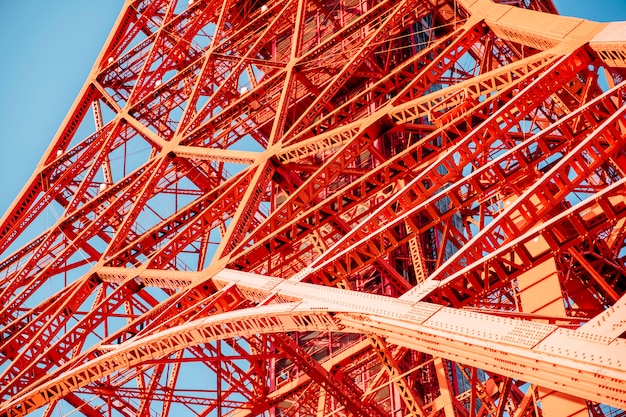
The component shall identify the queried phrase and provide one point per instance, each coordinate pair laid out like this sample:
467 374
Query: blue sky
598 10
47 49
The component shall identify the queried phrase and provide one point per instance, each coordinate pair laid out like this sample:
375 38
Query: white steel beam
543 354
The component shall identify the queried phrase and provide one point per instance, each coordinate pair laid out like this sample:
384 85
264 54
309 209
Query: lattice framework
396 207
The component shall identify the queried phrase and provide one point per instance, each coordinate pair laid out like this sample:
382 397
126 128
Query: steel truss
348 207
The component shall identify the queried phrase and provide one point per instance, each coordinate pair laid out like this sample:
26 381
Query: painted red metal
348 207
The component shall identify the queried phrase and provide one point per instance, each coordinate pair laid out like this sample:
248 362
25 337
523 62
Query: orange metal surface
328 208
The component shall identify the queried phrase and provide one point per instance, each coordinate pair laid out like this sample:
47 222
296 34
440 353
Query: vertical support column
446 398
407 395
106 165
417 256
321 403
540 292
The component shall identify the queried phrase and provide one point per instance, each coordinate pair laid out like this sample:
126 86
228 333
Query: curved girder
386 137
514 348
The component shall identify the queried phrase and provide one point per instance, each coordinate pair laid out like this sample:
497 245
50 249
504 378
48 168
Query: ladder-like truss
328 208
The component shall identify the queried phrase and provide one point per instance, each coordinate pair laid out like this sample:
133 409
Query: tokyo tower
328 208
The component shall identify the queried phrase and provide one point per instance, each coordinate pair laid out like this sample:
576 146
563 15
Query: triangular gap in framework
171 81
126 55
208 203
66 183
257 89
182 52
229 61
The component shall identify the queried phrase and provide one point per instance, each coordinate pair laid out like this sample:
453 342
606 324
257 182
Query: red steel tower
328 208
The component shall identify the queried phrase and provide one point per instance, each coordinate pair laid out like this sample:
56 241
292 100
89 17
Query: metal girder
519 349
339 386
457 167
408 396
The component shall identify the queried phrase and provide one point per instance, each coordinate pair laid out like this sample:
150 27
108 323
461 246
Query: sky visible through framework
47 50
